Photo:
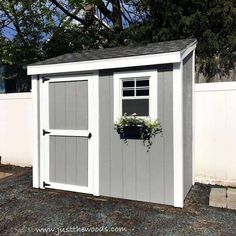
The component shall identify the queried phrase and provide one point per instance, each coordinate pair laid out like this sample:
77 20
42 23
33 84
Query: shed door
68 133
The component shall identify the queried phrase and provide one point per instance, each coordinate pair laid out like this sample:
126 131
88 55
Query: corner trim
178 133
96 186
36 128
193 118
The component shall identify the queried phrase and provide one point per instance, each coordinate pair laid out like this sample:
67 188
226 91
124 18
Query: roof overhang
114 63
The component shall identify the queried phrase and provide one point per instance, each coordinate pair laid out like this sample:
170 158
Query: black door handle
89 135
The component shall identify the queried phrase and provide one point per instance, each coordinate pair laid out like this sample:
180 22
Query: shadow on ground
26 211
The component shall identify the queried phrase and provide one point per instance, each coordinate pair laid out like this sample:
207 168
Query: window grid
135 88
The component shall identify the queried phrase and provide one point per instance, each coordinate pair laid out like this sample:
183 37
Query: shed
78 96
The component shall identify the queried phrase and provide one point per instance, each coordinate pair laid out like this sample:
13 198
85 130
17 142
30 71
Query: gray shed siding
68 105
127 170
187 122
69 160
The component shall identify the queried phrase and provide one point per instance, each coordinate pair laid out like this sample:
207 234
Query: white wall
215 133
16 129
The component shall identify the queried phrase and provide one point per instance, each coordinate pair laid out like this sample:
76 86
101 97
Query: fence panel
16 129
215 133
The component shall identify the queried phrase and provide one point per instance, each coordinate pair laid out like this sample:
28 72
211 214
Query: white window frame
153 87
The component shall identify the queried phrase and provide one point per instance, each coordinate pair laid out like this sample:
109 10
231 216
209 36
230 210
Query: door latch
89 135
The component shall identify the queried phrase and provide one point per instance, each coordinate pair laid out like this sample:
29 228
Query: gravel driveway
28 211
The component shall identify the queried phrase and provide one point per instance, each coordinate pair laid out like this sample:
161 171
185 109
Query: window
135 92
135 96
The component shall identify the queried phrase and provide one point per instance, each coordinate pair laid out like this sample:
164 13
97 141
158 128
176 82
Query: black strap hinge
45 79
45 132
45 184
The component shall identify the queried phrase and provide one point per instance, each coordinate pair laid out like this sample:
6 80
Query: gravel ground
25 211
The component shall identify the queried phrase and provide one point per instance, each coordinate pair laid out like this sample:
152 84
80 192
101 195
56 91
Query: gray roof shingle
117 52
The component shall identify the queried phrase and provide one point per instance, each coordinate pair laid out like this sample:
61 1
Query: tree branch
104 10
15 23
116 14
57 4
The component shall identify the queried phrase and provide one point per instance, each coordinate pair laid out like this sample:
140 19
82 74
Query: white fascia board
122 62
188 50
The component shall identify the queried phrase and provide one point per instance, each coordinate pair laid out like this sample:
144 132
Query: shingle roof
118 52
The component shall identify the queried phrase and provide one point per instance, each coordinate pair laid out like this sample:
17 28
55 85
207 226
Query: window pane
128 93
128 83
138 106
142 92
142 83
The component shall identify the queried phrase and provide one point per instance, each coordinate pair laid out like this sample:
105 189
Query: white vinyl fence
215 133
16 129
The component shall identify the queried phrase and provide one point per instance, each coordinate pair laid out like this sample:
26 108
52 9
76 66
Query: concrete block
218 197
231 198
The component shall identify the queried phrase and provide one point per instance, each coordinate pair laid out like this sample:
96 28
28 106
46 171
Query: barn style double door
68 133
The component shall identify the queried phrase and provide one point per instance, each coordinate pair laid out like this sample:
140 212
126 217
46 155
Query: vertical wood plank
82 105
142 172
51 105
60 143
105 134
82 161
52 161
60 106
71 160
157 181
129 167
168 136
71 105
116 154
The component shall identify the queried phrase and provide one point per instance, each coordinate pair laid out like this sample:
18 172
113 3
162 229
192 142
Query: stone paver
4 175
218 197
231 198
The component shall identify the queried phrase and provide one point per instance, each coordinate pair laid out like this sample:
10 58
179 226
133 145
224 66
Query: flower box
132 127
131 132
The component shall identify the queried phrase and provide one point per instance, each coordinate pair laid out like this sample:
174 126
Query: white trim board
122 62
193 118
36 135
71 133
43 122
184 53
178 133
69 187
95 122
